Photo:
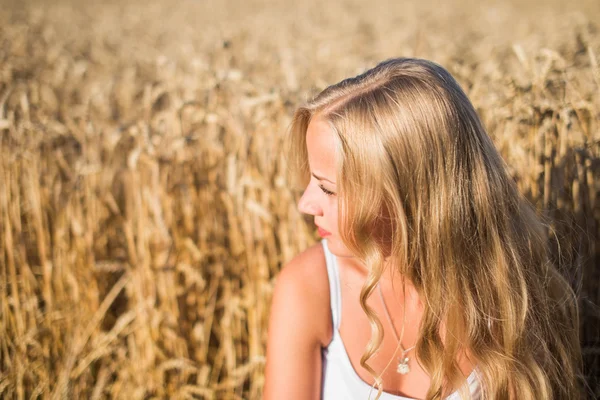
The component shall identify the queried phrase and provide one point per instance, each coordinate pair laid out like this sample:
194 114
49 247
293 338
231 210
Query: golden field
145 201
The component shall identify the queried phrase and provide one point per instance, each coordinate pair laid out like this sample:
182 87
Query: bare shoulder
298 328
305 283
306 267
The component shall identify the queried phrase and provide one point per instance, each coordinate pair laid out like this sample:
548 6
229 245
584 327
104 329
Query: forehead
321 146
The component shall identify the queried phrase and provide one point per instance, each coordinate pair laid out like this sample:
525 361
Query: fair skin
300 320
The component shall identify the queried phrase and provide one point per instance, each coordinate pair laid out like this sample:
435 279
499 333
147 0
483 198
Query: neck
391 279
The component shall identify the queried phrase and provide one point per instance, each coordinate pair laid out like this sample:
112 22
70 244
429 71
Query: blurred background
145 203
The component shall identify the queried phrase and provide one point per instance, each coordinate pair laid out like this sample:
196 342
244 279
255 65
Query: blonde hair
411 144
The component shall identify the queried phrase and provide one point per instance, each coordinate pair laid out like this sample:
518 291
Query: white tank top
339 380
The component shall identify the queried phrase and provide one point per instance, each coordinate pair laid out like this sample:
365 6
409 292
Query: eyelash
327 192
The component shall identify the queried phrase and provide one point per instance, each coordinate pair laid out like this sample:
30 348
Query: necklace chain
403 367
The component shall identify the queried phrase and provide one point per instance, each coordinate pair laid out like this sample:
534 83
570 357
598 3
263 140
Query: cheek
335 243
332 208
334 222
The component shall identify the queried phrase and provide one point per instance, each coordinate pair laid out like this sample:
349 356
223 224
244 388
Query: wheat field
145 202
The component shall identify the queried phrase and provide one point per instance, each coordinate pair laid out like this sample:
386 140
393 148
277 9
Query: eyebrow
321 178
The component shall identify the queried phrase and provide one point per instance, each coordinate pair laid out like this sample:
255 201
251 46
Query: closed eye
327 192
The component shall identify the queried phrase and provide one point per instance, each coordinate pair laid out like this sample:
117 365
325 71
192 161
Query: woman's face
320 196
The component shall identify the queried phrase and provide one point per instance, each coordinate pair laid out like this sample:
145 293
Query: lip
322 232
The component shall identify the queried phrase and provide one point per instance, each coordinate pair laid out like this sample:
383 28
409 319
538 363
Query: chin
338 248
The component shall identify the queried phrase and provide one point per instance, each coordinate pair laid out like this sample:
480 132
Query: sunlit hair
412 152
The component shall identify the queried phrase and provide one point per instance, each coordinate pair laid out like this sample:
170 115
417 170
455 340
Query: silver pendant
403 367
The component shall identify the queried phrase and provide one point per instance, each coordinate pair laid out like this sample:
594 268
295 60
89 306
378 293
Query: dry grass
144 203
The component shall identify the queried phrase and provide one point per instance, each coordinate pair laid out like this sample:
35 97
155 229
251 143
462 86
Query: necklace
403 367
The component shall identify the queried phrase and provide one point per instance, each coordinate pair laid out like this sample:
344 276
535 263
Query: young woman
433 278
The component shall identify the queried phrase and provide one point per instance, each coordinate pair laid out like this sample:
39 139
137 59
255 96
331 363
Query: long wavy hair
412 148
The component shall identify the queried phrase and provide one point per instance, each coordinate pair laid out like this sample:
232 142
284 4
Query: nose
308 203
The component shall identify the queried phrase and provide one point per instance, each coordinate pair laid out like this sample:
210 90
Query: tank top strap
335 294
